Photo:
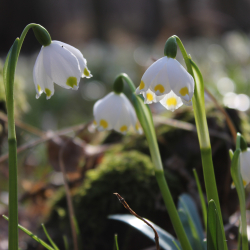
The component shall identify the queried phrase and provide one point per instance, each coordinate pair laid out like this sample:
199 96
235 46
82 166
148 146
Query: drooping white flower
167 81
114 111
245 166
59 63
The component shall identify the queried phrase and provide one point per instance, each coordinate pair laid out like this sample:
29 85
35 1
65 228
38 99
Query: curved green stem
9 77
145 117
202 130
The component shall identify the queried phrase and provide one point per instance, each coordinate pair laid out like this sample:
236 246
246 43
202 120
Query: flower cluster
166 81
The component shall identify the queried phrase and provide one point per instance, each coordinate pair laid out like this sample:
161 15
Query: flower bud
170 49
42 35
243 144
118 85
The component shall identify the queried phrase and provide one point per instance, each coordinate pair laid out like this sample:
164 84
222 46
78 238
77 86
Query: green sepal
118 85
215 230
42 35
170 49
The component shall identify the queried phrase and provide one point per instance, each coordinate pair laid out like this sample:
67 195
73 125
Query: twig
67 190
223 111
189 127
24 126
125 204
47 137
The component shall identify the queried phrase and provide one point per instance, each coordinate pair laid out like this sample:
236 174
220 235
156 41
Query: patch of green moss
131 175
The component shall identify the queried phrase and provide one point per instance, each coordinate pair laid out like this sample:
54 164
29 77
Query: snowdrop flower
245 166
167 81
115 111
59 63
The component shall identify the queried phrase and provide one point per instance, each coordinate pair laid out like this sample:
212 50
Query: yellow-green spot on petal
171 101
39 88
160 88
184 91
142 85
48 92
95 123
123 128
71 81
86 72
244 183
104 123
150 97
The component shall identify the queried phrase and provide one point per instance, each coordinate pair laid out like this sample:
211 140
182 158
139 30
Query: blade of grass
34 237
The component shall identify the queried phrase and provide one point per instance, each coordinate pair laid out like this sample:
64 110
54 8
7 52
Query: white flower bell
167 81
245 166
115 111
59 63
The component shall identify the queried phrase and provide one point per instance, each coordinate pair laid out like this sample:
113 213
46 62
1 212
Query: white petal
42 81
81 60
61 66
150 97
245 165
106 111
181 82
160 85
150 74
189 103
171 101
131 114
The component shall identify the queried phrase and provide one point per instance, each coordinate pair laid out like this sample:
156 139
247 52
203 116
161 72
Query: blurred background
117 36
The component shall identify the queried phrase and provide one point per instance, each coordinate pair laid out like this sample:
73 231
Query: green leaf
214 229
32 235
166 240
203 203
191 221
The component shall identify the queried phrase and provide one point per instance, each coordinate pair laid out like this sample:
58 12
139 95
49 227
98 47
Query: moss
131 175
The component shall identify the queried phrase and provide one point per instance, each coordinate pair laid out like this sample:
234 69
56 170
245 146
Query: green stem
202 130
145 117
9 74
173 214
9 77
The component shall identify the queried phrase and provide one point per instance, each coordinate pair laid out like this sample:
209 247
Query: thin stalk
145 117
72 218
69 201
203 134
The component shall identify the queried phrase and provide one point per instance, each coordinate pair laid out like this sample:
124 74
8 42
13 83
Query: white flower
245 166
167 81
59 63
114 111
